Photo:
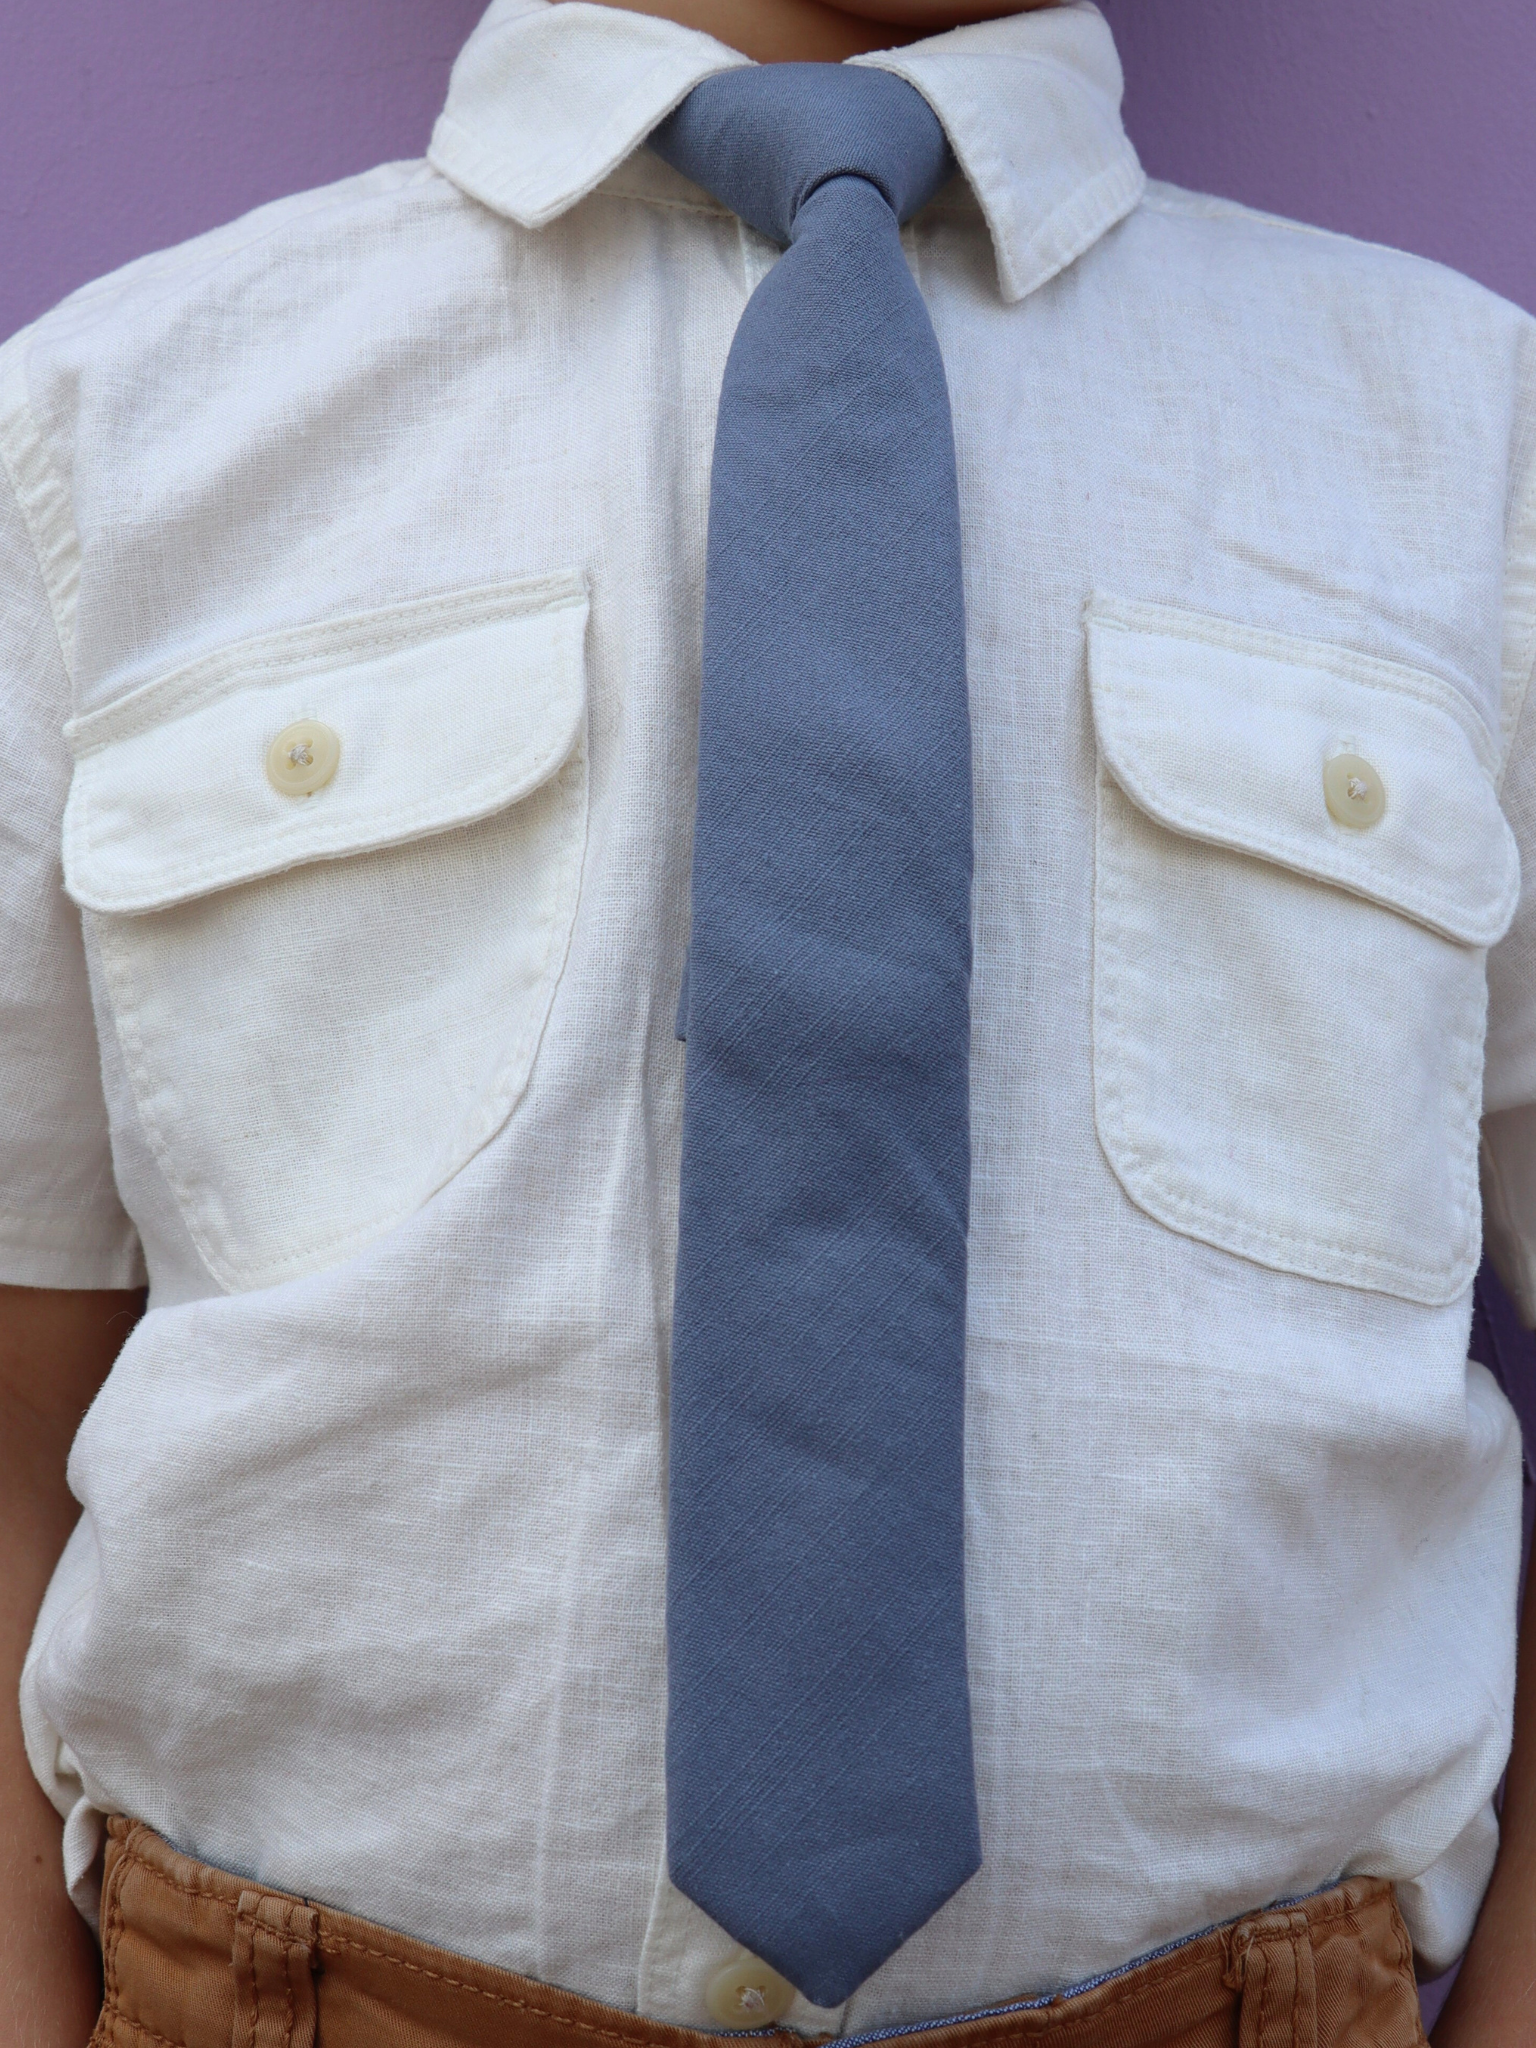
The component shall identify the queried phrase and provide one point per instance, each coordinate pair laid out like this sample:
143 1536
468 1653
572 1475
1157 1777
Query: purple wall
1404 121
124 128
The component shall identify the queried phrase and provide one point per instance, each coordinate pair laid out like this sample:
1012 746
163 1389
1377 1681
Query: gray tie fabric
821 1799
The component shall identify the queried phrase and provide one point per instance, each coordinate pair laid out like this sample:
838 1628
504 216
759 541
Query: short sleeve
61 1222
1509 1082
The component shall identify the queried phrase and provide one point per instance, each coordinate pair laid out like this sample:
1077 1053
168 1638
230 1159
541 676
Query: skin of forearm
56 1347
1493 2004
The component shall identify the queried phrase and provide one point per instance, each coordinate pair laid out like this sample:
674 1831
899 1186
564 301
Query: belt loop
1271 1963
274 1956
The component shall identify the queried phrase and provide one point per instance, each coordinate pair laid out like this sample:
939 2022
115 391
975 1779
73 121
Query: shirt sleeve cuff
64 1252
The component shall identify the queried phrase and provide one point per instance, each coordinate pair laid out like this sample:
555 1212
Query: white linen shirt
381 1082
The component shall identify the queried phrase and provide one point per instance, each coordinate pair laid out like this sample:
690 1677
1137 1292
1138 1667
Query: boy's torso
368 1602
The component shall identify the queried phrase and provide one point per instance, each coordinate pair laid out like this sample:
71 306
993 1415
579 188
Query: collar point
1026 262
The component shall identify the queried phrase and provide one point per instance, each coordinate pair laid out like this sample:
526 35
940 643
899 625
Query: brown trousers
198 1959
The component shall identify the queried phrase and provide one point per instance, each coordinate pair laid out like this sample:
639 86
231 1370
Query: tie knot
763 138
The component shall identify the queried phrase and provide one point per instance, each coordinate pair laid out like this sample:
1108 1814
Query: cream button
1353 791
303 758
746 1993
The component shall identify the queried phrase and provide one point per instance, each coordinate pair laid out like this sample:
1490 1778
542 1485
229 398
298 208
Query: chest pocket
329 997
1288 1009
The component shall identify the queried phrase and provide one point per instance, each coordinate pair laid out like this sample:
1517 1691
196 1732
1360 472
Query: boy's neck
811 31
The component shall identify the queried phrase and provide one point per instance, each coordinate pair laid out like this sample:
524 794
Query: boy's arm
68 1251
1493 2003
55 1349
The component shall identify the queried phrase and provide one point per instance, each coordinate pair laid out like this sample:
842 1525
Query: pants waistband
197 1958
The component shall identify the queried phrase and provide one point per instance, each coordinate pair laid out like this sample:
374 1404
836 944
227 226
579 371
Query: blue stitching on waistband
997 2012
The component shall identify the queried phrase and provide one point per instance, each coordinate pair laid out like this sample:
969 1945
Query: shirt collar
547 100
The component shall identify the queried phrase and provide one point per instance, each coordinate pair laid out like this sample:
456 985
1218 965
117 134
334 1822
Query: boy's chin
936 14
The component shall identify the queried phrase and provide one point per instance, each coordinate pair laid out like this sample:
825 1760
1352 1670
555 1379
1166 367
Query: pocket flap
447 709
1222 734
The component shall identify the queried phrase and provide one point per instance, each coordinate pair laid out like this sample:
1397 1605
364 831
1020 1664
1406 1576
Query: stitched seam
1129 1994
1267 1985
987 175
1347 1908
295 841
1236 1234
114 1928
190 1888
469 803
32 1232
1324 1909
331 1942
481 799
1320 1914
491 167
1443 916
250 1939
357 636
1151 1974
632 197
210 252
1120 183
39 493
1371 670
1151 1977
143 711
328 1941
1444 913
128 1856
143 2033
1522 660
1112 1096
1526 669
512 1077
1177 199
1432 906
1145 1183
1325 1258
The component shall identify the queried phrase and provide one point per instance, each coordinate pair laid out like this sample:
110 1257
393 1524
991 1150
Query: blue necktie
820 1790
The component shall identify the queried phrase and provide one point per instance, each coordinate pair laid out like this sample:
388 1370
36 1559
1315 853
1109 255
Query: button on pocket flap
1376 778
333 739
